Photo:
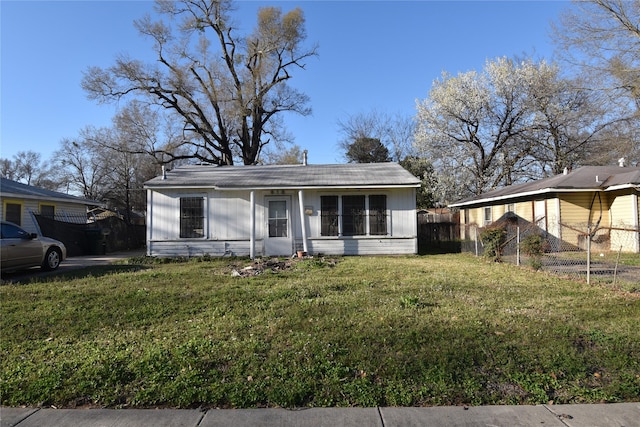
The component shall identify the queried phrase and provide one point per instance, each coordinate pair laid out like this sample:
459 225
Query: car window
10 231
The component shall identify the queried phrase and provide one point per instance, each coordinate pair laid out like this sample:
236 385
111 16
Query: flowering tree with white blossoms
512 122
472 125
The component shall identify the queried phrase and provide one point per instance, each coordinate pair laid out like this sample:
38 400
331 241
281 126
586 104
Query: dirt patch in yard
274 265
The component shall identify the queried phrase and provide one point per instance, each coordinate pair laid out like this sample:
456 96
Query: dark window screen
378 215
191 217
353 216
329 215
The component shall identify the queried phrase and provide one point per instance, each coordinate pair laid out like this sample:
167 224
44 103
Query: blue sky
373 55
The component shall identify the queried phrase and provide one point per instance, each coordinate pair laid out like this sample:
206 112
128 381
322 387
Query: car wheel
52 259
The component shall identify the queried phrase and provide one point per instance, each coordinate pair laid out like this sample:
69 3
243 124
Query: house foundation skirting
316 247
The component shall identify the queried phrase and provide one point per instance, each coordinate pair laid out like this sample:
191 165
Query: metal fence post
518 245
588 254
475 229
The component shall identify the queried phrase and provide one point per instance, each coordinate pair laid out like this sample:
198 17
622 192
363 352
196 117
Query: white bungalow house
276 210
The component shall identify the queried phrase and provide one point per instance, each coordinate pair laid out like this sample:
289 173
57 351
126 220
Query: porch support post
303 223
252 238
636 223
150 222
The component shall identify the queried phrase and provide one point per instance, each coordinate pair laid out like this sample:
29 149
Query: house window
353 216
487 215
13 213
191 217
329 215
278 221
378 215
48 211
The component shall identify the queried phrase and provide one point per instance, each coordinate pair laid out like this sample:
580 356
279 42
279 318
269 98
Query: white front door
278 241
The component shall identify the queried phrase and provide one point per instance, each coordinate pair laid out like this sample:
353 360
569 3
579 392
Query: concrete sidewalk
604 415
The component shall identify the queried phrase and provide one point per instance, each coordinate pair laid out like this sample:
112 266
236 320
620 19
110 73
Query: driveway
72 263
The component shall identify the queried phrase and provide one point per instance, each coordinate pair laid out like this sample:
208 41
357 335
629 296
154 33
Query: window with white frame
353 215
192 217
487 215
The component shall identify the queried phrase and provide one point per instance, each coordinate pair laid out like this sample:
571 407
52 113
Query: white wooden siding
229 226
229 216
193 248
363 246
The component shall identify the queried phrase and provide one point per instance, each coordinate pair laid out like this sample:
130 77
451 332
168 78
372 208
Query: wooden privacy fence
438 231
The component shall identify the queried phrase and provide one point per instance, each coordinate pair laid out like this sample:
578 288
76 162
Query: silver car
21 249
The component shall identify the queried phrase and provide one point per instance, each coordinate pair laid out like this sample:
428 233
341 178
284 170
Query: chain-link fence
585 251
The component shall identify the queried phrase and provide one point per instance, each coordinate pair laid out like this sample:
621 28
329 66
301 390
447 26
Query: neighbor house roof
14 189
358 175
586 178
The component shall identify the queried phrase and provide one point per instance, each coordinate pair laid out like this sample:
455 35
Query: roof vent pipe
621 161
304 157
164 173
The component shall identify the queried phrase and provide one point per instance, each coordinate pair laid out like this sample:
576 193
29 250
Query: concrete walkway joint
598 415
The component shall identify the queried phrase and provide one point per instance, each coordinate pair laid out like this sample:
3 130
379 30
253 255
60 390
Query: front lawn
356 331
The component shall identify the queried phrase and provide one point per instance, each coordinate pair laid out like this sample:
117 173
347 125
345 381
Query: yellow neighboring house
597 200
20 201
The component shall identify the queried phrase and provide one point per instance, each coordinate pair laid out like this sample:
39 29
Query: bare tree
142 130
8 169
83 163
29 168
28 165
602 38
127 173
112 164
226 98
569 123
600 41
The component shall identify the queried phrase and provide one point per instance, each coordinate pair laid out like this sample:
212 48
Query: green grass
361 331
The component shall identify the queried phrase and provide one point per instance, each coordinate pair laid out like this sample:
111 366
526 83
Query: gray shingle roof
586 178
287 176
18 189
